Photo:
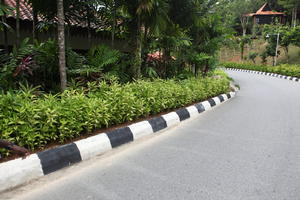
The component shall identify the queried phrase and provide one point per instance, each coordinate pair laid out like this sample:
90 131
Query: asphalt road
247 148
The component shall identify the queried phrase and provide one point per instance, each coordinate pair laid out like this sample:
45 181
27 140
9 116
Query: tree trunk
293 18
5 38
136 66
113 32
88 26
244 31
61 44
166 59
244 22
242 52
18 23
34 23
286 49
89 33
206 68
296 12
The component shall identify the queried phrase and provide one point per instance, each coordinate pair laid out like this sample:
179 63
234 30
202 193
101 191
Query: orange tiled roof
262 11
25 9
26 12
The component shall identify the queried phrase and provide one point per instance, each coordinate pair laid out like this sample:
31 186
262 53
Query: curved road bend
246 149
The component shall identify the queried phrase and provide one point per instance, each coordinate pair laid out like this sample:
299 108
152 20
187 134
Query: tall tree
114 22
18 23
234 12
61 44
139 11
132 20
34 23
292 6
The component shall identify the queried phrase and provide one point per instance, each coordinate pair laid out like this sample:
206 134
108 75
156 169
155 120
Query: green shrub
288 70
33 119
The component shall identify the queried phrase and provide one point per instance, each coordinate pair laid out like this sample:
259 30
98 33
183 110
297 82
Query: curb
266 73
20 171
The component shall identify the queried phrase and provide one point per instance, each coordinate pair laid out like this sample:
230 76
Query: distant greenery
33 119
287 36
284 69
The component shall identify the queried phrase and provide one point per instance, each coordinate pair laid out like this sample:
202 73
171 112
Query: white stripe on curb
172 119
206 105
92 146
141 129
193 111
19 171
225 97
217 100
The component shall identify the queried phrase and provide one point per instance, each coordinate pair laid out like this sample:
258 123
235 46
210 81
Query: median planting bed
288 70
33 120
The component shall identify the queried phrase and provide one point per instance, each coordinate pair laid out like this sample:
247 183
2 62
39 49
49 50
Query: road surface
245 149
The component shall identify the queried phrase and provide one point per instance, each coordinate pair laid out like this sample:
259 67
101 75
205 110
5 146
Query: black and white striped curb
20 171
266 73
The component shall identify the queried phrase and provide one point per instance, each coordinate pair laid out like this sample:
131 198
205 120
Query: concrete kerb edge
21 171
291 78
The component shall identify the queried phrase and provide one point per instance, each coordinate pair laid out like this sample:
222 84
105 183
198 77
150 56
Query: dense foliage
186 33
33 119
286 36
288 70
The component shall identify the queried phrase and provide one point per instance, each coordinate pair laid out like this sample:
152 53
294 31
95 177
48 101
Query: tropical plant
100 59
252 56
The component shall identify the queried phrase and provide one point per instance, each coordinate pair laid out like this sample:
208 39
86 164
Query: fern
102 56
98 58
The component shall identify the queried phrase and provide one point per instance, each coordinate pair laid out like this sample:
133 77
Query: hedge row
288 70
33 120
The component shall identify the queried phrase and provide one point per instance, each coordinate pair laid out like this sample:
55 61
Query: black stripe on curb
58 158
212 102
157 124
120 136
183 114
221 98
228 96
200 107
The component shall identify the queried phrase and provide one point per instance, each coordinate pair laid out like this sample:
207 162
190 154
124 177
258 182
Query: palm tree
61 44
140 11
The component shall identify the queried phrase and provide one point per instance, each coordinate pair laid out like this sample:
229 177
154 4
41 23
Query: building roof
26 13
25 9
264 10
